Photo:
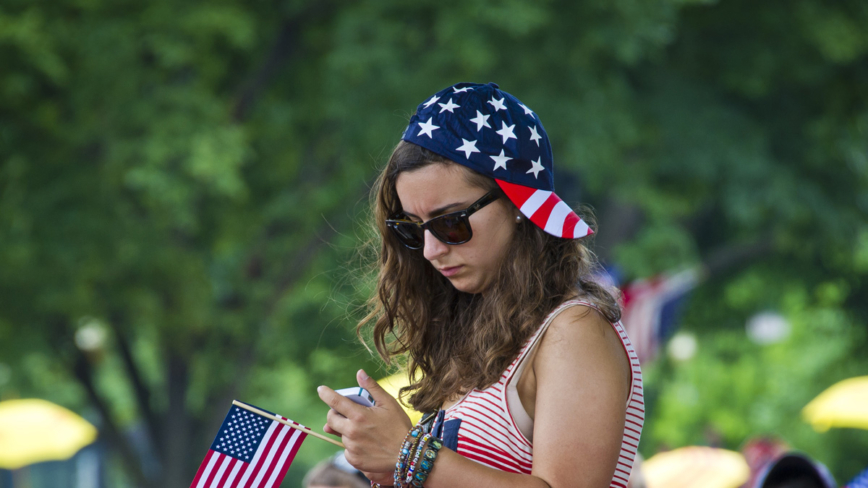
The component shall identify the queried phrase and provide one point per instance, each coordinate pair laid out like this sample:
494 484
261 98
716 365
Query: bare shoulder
580 328
581 321
580 337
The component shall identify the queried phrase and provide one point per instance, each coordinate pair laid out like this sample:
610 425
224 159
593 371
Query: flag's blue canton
860 481
240 434
487 130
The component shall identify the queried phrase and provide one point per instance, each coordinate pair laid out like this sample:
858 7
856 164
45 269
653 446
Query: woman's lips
451 270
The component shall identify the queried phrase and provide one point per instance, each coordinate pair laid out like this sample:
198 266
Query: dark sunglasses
452 228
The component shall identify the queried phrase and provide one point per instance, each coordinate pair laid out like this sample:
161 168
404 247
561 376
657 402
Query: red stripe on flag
517 193
219 460
239 475
276 457
291 456
202 468
229 468
254 470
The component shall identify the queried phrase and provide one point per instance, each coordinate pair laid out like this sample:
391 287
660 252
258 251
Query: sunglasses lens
451 229
409 234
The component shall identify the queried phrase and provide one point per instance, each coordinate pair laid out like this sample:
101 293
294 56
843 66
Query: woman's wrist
426 463
411 442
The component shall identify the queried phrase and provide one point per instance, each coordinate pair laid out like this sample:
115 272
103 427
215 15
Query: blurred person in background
525 372
795 470
759 452
335 472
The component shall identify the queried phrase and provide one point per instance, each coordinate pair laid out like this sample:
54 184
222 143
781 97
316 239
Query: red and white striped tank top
487 431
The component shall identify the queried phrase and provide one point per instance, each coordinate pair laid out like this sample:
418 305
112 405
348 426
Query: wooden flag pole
285 422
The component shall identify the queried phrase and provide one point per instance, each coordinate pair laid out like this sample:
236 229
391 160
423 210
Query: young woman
485 291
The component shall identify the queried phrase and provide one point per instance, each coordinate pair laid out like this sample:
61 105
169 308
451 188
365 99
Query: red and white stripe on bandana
546 210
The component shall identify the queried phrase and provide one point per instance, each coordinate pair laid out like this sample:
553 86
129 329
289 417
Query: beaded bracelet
418 453
427 462
408 464
410 441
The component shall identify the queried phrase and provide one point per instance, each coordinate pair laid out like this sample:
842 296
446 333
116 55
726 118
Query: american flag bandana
250 451
491 132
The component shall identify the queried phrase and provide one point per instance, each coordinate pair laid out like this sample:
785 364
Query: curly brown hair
452 341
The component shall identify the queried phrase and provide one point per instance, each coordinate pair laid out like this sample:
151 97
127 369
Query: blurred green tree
183 186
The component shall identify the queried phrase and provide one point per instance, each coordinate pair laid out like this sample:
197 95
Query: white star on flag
527 111
480 121
534 136
431 101
427 128
507 132
500 161
461 90
448 106
468 147
536 167
497 104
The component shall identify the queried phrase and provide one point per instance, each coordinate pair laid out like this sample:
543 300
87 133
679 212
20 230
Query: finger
383 478
329 430
337 402
381 396
337 422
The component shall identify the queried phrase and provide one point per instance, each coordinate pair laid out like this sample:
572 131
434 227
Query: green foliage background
191 179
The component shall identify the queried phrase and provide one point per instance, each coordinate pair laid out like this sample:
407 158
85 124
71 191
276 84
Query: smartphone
358 395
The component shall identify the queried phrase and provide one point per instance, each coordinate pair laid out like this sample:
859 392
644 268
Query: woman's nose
433 247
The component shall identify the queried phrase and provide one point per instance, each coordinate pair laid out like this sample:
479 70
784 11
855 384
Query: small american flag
250 451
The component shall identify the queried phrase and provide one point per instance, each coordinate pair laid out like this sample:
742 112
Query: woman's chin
465 285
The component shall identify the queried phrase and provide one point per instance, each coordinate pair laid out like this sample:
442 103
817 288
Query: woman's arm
374 435
582 379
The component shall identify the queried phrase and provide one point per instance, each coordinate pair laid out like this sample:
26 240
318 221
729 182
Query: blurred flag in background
651 307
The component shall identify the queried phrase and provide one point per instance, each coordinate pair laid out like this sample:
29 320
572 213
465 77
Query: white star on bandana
507 132
480 121
448 106
427 128
497 104
468 147
536 167
534 136
500 161
514 149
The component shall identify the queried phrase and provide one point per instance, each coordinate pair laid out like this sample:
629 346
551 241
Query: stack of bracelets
418 452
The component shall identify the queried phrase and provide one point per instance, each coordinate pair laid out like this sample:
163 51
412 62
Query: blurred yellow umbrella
844 404
393 384
32 431
696 467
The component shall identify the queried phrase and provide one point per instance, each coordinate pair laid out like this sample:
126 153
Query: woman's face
439 189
